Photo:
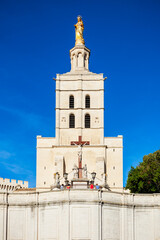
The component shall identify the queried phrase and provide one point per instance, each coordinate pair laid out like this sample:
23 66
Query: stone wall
52 158
7 185
79 215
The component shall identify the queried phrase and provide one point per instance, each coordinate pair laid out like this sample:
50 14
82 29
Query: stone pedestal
80 183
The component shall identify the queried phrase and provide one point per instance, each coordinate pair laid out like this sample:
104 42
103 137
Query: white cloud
16 168
5 155
28 118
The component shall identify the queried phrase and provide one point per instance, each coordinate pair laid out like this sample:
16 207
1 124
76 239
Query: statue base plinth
80 183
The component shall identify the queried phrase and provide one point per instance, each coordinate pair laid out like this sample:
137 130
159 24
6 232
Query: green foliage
145 178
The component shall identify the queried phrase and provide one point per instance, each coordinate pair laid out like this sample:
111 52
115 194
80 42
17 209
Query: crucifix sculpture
80 144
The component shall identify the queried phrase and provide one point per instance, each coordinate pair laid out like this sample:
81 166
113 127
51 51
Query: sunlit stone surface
79 214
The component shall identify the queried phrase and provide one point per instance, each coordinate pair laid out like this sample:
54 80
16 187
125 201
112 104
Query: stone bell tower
79 97
79 58
79 120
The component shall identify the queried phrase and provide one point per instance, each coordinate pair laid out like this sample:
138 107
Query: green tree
145 178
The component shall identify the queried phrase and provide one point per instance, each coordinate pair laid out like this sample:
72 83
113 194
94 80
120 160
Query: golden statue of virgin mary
79 27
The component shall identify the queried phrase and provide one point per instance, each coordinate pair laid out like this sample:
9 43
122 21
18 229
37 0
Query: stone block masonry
79 214
7 185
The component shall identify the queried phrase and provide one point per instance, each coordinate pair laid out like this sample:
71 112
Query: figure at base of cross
80 144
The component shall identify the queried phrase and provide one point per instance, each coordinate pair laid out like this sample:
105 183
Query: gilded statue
79 27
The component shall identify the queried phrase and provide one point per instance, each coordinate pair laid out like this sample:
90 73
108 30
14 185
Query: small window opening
87 101
71 121
71 101
87 121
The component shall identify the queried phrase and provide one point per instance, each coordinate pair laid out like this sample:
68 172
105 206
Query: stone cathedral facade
80 116
54 213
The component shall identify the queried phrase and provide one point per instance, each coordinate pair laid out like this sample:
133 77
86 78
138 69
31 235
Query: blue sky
35 39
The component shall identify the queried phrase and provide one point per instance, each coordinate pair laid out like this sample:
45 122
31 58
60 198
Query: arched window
71 121
71 101
87 101
87 121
